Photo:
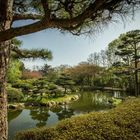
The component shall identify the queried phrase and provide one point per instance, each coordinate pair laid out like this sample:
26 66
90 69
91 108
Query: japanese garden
97 98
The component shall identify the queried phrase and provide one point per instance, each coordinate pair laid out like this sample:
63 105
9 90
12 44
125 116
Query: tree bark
5 23
4 57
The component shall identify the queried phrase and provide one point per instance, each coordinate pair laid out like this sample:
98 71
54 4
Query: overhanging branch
31 54
51 23
26 17
89 14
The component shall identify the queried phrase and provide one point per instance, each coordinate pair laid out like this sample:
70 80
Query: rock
75 97
72 98
11 106
56 102
53 103
61 103
32 104
49 104
16 106
21 105
67 102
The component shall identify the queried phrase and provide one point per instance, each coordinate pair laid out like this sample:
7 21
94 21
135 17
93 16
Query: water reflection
65 112
12 114
42 116
91 102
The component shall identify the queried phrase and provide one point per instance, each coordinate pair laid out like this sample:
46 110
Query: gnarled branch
26 16
88 15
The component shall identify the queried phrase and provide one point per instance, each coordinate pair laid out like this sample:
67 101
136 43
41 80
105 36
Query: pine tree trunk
5 23
4 56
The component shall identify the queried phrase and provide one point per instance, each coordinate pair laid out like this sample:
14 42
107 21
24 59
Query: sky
69 49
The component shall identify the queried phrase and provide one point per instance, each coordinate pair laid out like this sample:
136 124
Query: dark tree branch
90 14
26 16
53 23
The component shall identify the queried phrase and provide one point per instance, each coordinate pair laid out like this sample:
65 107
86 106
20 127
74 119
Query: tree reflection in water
91 102
12 114
63 112
41 115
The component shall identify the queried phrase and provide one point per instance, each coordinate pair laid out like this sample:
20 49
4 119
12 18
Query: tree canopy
16 67
76 16
128 46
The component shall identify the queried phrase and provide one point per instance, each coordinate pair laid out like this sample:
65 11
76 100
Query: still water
42 116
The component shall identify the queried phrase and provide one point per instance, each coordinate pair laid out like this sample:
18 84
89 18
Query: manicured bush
25 85
14 94
121 123
52 86
43 101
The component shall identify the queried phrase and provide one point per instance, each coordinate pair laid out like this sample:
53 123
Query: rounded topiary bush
25 85
14 94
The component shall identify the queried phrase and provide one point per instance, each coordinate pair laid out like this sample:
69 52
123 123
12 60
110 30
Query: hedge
120 123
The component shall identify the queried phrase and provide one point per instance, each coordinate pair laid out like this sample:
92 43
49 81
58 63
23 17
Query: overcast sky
70 49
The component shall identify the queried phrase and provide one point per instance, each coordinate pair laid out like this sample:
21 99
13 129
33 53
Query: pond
42 116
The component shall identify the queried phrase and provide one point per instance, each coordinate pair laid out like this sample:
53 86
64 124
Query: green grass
121 123
58 99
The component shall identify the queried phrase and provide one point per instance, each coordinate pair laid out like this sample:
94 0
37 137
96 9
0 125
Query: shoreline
45 102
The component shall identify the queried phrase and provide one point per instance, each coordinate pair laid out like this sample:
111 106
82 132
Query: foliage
119 123
84 73
115 101
18 53
14 94
53 99
32 53
16 42
16 68
111 50
99 59
46 69
50 73
120 61
31 74
126 45
14 72
25 85
65 81
128 50
74 16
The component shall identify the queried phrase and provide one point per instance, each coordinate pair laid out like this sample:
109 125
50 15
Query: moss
121 123
115 101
